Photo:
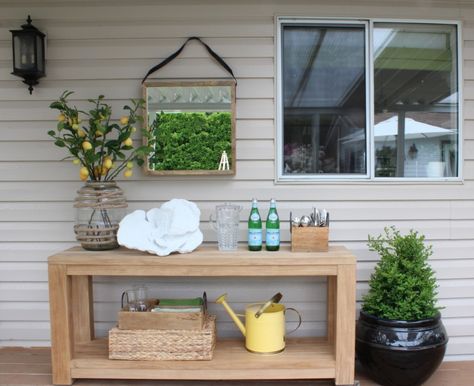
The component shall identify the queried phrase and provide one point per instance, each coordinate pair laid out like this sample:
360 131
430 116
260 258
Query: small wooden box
309 239
161 320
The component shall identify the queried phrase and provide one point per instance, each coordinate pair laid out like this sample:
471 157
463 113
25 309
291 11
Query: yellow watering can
264 328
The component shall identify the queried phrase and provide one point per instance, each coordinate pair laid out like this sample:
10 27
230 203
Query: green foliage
102 147
190 141
386 161
403 285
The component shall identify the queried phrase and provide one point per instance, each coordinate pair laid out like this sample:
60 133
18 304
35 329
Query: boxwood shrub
191 140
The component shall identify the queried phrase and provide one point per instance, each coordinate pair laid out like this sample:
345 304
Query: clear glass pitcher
227 226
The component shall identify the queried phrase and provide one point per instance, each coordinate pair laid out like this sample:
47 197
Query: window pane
324 99
416 100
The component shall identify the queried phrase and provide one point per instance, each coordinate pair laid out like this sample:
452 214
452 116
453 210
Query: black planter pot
397 352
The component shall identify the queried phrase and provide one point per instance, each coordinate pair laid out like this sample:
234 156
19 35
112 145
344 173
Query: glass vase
99 208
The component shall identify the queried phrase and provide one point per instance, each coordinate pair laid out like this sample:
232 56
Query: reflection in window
415 100
325 120
324 99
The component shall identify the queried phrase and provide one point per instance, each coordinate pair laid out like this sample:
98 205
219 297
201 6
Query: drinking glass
130 300
227 226
142 296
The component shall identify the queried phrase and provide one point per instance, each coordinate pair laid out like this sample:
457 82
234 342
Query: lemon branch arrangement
103 147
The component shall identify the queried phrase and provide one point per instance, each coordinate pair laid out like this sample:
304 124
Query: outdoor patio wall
106 47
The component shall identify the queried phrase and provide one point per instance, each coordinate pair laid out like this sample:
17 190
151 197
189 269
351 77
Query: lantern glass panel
25 52
40 54
16 52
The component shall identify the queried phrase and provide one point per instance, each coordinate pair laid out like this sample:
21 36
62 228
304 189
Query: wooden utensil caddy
309 239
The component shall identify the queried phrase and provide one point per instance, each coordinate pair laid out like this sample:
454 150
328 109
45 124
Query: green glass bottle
255 228
272 239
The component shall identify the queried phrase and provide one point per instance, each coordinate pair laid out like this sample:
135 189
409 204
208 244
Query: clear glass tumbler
227 226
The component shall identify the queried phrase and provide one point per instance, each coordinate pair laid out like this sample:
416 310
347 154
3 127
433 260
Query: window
350 109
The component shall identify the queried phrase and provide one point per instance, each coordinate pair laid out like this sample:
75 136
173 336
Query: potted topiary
400 339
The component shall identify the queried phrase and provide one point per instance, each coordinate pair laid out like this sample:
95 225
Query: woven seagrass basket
165 345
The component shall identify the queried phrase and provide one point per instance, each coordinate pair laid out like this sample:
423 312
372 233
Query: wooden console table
77 354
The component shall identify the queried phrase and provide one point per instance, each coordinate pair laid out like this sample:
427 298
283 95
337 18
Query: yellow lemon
83 171
86 145
61 117
81 133
130 165
128 173
104 170
98 133
83 177
124 120
134 129
128 142
76 161
108 163
75 126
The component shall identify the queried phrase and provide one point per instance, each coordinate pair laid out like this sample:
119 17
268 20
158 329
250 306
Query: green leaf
143 150
89 157
59 143
112 143
97 157
56 105
66 93
52 133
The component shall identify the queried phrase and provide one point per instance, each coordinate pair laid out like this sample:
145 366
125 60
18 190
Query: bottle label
254 217
255 237
273 237
272 217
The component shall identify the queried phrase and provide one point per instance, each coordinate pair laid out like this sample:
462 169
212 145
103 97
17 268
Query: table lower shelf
303 358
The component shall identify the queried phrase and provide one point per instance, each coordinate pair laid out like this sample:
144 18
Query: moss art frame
193 123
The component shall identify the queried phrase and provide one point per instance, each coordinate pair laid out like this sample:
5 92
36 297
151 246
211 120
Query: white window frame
370 156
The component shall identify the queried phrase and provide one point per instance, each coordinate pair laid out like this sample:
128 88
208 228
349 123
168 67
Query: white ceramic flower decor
174 227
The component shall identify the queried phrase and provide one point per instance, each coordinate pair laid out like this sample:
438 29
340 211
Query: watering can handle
299 320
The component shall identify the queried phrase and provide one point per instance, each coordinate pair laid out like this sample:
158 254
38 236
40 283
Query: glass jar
99 208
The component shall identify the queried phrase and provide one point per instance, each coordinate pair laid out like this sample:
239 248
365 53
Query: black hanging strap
174 55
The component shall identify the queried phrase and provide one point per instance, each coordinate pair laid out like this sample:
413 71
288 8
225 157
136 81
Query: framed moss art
193 127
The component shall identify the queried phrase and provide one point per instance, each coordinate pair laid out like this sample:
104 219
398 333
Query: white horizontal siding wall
106 47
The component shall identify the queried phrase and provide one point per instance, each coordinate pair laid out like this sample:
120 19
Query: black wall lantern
28 54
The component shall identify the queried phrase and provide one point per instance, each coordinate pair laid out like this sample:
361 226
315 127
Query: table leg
331 308
345 325
61 324
82 309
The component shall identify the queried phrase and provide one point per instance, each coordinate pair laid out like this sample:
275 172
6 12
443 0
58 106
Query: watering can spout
222 300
